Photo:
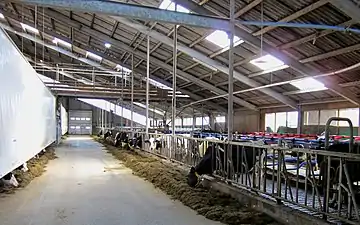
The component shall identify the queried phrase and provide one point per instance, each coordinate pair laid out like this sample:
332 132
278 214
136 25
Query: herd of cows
244 159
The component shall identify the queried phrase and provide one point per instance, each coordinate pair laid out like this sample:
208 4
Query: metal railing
322 183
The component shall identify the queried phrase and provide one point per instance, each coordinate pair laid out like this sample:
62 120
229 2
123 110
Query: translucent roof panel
169 5
106 105
267 62
26 27
61 42
150 108
221 39
93 56
309 84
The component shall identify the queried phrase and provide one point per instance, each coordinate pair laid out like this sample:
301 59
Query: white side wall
27 109
64 120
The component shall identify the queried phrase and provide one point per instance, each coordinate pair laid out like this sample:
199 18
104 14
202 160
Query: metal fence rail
321 183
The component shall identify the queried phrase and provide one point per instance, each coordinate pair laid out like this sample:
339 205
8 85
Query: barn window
202 121
188 121
281 122
220 119
177 122
352 114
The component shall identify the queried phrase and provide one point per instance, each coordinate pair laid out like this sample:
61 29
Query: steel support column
231 87
132 96
147 85
300 120
173 108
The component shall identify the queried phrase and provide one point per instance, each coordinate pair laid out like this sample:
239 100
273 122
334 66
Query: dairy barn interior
179 112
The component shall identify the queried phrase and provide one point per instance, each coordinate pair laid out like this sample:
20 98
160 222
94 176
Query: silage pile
172 180
36 168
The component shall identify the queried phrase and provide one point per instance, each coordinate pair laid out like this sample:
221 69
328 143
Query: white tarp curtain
27 109
106 105
64 120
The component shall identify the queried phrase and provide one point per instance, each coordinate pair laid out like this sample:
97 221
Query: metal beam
133 11
287 58
295 15
215 106
314 36
200 56
115 43
72 55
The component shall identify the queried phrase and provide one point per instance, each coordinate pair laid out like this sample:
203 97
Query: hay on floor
36 168
172 180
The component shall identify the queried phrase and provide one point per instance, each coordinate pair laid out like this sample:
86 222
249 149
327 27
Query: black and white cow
108 134
121 137
10 180
155 144
353 168
243 159
136 142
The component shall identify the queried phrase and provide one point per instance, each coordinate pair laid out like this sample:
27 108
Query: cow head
193 178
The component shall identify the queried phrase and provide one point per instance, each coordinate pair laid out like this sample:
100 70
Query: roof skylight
118 68
158 84
93 56
267 62
169 5
26 27
61 42
151 109
221 39
309 84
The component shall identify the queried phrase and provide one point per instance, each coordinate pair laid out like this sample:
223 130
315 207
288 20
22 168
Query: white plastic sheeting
27 109
107 106
64 120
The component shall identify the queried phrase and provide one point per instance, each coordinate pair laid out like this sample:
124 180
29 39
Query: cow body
121 137
353 168
10 180
243 159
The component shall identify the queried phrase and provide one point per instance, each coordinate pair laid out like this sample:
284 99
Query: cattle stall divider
295 178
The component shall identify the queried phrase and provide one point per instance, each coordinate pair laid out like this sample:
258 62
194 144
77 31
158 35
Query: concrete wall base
280 213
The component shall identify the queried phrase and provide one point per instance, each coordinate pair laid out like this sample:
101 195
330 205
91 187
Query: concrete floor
87 186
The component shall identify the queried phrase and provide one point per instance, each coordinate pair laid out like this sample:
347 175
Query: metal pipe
147 85
297 25
122 99
231 73
278 84
132 95
230 117
174 86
